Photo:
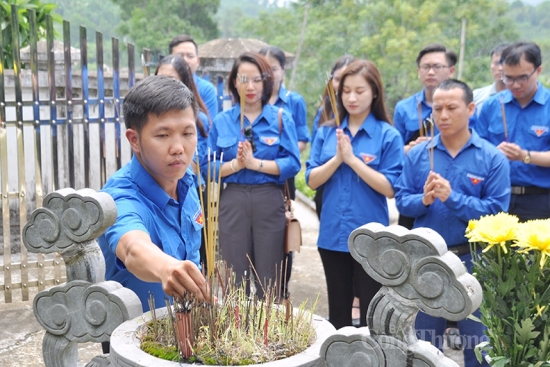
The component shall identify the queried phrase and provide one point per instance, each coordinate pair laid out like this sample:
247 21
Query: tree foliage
152 24
388 32
41 9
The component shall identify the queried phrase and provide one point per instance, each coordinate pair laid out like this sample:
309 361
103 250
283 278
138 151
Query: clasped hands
245 157
436 187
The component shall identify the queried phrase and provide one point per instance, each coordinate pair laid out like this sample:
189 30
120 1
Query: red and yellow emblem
198 217
269 140
475 179
367 158
539 130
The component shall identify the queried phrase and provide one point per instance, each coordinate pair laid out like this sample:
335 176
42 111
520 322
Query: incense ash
239 329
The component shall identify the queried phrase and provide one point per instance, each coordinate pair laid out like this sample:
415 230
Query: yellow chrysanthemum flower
493 230
535 235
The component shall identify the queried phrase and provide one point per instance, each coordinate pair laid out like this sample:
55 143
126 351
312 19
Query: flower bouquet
514 272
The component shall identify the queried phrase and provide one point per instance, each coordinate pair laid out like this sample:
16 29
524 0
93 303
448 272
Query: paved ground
21 335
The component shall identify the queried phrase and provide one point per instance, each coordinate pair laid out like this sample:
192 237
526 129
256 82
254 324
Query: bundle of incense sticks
333 102
502 111
242 98
431 142
184 324
210 226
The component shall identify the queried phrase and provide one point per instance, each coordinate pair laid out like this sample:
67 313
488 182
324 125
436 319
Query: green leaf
525 333
500 362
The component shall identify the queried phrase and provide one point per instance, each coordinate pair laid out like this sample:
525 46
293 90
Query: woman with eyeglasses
260 152
357 163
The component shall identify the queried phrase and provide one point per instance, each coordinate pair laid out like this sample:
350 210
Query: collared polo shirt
282 147
528 127
174 226
479 179
348 202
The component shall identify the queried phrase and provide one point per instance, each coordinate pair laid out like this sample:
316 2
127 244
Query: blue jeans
431 329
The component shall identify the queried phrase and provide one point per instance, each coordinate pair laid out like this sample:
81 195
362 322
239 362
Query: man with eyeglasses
412 115
434 64
517 121
483 93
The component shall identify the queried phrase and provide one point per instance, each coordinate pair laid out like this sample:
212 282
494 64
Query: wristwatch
527 158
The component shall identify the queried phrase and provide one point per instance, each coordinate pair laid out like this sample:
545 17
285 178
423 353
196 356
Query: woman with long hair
260 152
357 162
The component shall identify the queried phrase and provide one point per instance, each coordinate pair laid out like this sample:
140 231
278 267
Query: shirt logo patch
475 179
367 158
198 217
270 140
539 130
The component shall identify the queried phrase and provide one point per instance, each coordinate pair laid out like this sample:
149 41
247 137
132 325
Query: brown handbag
293 229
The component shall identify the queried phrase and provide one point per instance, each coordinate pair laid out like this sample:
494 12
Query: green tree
388 32
152 24
23 6
95 15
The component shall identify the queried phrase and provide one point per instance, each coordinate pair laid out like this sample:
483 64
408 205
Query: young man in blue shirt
526 138
447 181
153 247
188 49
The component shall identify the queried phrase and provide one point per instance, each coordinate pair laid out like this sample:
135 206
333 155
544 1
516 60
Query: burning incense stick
242 90
333 103
503 112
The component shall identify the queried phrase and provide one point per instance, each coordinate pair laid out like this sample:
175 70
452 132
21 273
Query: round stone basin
125 350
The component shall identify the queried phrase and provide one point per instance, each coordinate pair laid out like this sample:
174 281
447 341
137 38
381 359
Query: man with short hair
412 115
185 46
434 64
446 182
523 132
153 247
481 94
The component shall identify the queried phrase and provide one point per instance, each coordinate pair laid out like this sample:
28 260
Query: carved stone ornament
417 273
86 308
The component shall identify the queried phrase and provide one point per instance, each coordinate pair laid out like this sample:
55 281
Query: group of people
444 158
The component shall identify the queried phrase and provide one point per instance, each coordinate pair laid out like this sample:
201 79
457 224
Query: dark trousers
252 222
343 275
533 206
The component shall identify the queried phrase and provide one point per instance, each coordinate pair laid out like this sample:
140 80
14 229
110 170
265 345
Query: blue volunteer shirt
296 106
405 117
202 147
207 91
479 179
528 127
348 202
174 226
282 147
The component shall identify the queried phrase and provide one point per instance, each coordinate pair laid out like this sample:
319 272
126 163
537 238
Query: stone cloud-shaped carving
416 266
68 217
83 312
